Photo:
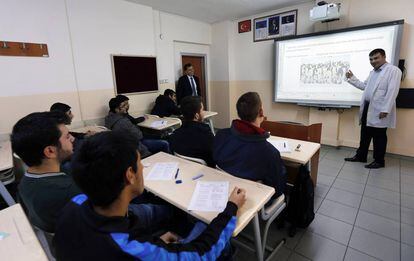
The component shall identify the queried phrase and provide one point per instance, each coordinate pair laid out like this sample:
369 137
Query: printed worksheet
162 171
210 196
159 124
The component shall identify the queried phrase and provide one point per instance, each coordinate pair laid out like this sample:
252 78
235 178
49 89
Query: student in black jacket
97 226
194 138
166 105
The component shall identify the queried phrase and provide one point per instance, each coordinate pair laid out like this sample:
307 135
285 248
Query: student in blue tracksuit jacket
97 225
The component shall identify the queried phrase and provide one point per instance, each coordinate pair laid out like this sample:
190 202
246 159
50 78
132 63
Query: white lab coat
383 99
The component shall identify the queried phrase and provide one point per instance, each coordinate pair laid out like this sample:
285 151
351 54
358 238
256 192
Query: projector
325 12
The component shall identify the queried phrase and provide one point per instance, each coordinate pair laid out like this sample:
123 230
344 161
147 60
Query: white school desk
207 116
305 153
180 194
21 242
168 122
6 155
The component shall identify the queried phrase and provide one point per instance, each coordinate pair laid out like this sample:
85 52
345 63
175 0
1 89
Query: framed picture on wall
275 26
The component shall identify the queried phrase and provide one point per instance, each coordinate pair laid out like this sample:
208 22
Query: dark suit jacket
184 87
194 139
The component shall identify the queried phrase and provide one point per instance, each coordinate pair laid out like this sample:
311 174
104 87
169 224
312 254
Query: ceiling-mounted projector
325 12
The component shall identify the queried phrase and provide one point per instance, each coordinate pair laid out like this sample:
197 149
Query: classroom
270 90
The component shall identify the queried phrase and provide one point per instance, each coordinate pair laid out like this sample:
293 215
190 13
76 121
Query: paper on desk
158 124
280 145
163 171
210 196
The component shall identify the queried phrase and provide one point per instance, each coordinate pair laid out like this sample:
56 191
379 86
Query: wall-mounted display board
275 26
23 49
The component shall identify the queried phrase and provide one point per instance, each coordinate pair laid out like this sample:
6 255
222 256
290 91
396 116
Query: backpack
300 212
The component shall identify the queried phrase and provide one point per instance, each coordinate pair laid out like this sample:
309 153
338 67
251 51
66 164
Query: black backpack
300 206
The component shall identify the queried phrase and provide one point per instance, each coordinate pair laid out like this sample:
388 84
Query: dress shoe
375 165
355 159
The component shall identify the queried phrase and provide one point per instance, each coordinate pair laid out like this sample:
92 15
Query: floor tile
381 208
338 211
344 197
407 252
356 167
282 254
407 179
353 176
319 248
297 257
354 255
407 234
317 203
407 216
331 163
407 188
391 174
321 190
327 171
407 201
383 183
382 194
348 186
331 228
375 245
374 223
325 180
275 235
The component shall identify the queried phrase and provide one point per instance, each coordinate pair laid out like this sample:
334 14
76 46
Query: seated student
166 105
125 100
98 226
117 119
243 149
66 109
194 138
43 142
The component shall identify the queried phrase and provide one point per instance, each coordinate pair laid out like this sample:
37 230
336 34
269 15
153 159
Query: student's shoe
375 165
356 159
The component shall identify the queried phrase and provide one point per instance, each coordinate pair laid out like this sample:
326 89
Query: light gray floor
360 214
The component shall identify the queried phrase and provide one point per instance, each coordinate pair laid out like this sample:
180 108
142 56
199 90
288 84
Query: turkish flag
245 26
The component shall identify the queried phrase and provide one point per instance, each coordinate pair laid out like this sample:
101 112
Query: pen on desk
284 144
176 174
198 176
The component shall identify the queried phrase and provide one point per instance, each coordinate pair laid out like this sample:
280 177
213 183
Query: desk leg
6 195
210 122
258 239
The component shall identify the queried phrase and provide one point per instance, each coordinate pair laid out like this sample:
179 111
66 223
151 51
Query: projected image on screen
311 69
323 73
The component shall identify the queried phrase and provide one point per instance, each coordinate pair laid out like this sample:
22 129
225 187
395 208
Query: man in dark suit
188 84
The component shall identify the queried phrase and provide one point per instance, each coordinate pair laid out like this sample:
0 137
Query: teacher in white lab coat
377 111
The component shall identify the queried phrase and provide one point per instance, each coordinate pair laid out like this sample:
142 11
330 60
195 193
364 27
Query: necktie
193 86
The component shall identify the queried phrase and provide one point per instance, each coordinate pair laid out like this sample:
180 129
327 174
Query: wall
81 35
253 71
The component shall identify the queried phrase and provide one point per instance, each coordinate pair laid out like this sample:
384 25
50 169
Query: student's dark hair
169 92
122 98
248 106
33 133
187 65
375 51
100 164
58 106
190 105
114 103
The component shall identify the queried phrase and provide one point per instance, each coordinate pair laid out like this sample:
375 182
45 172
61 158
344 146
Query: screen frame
138 56
325 103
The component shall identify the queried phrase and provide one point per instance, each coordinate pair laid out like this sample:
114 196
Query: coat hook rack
23 49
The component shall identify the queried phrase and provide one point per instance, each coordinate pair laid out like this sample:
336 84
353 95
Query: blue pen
198 176
176 174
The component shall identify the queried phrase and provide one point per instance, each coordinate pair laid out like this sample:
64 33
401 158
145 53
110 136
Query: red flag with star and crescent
245 26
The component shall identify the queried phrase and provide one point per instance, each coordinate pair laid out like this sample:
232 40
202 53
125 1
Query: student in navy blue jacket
243 149
194 138
166 105
98 226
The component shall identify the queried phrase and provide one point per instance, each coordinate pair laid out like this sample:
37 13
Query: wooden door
198 63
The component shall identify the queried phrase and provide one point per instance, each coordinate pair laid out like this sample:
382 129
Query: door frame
205 71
